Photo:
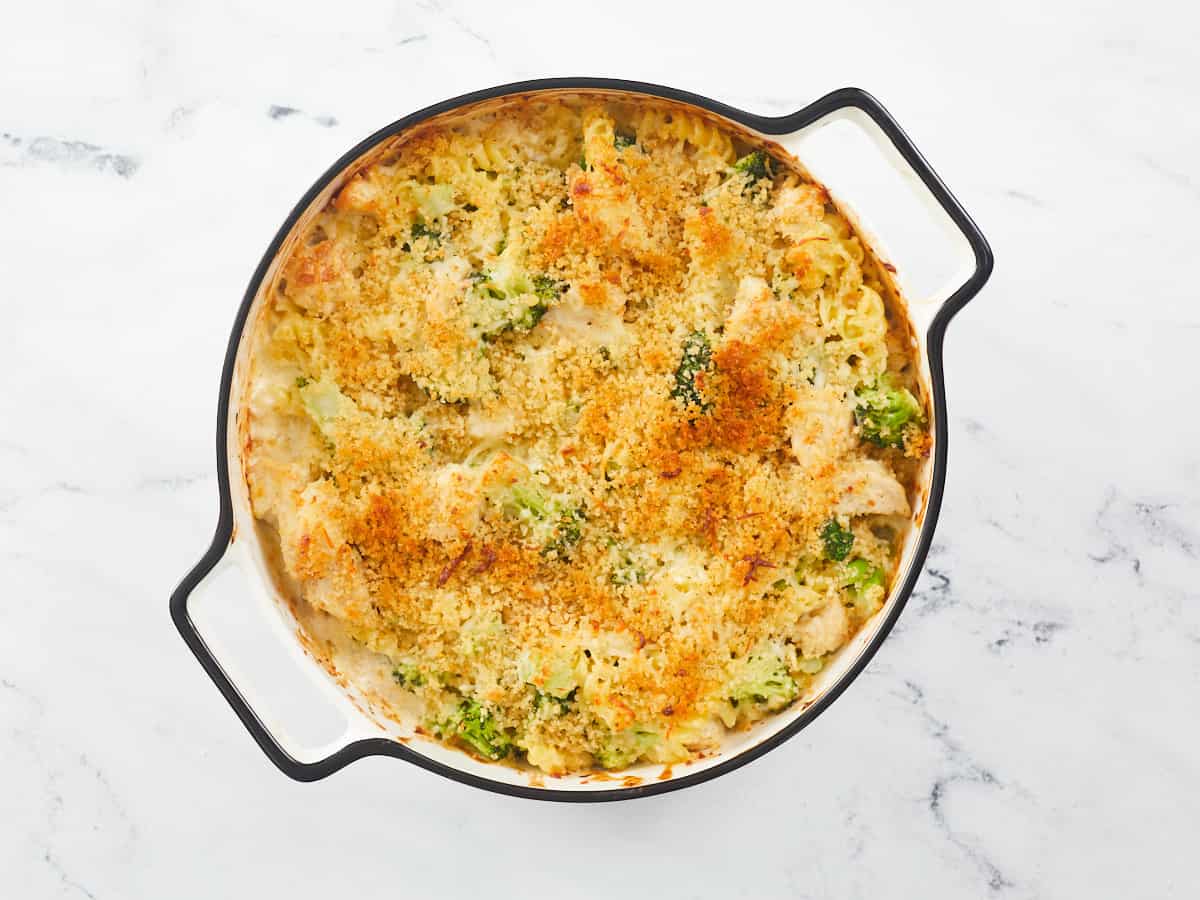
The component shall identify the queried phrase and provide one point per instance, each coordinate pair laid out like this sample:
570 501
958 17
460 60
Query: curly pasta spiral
682 128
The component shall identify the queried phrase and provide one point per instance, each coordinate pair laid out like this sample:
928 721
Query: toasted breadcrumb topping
595 420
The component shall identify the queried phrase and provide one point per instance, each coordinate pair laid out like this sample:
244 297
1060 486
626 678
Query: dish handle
225 568
974 255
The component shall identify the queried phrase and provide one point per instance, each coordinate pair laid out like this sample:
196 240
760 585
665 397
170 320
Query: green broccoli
510 315
886 414
567 532
487 287
867 591
696 358
420 230
473 726
754 165
624 748
529 317
554 675
547 288
560 706
626 570
557 525
623 139
861 574
526 502
763 678
837 540
407 675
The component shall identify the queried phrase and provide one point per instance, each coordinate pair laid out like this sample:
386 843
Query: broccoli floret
885 414
754 165
567 532
626 568
526 502
552 675
560 526
696 358
473 726
547 288
407 675
837 540
529 317
867 591
559 706
622 749
623 139
861 575
627 571
420 230
763 678
483 281
509 314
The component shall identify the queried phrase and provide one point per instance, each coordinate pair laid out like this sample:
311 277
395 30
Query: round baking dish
236 543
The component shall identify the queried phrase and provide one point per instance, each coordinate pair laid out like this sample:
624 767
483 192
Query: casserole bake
296 239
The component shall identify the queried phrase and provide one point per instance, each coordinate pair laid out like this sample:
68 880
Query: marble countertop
1030 728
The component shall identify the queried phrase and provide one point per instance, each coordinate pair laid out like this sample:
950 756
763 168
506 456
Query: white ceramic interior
243 578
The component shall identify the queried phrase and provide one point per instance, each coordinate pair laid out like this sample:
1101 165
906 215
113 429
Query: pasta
591 423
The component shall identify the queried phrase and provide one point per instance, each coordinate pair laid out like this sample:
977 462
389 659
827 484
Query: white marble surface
1031 728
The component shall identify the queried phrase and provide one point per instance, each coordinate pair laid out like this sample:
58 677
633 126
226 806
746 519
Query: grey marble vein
23 150
175 482
962 770
1125 523
461 25
1175 177
64 877
277 112
1023 197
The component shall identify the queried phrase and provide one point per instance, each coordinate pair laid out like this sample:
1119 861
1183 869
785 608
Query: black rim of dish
845 98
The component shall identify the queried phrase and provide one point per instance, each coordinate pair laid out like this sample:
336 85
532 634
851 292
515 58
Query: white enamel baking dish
234 568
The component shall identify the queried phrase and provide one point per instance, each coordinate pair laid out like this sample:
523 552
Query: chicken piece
822 632
315 551
867 487
821 426
759 317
